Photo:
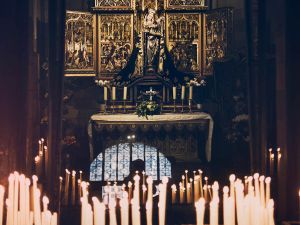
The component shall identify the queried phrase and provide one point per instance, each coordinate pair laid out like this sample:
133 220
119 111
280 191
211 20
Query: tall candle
181 193
129 191
125 93
27 200
124 209
262 190
1 203
200 208
186 179
174 93
173 187
200 182
268 189
191 93
60 190
188 193
278 160
162 201
256 185
112 212
16 197
54 219
105 93
22 201
149 204
196 189
182 92
113 93
66 198
73 186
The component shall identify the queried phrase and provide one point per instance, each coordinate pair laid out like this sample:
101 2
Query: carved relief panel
184 41
185 4
115 42
114 4
80 42
217 37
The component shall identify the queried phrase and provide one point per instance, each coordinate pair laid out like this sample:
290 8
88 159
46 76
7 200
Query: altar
183 137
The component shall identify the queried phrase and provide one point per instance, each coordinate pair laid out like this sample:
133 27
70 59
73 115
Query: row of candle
274 158
174 90
41 160
96 215
190 189
23 205
249 205
65 194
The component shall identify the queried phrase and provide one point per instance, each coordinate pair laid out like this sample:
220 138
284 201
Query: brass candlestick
182 105
174 110
113 106
105 106
124 106
190 105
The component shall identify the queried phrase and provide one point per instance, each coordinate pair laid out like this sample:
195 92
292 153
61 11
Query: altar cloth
163 118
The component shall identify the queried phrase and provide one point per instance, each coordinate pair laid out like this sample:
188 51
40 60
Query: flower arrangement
147 108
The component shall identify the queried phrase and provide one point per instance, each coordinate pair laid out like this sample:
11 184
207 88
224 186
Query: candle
181 193
37 161
191 93
214 205
16 197
27 200
162 201
1 203
173 187
66 198
200 208
196 189
73 186
125 93
54 219
182 92
268 189
278 160
124 209
112 212
105 93
186 182
149 204
129 191
60 190
188 193
113 93
174 93
262 190
136 217
22 197
200 182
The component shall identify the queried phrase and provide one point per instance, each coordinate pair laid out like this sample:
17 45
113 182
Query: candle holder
113 106
124 106
190 105
174 106
105 106
182 101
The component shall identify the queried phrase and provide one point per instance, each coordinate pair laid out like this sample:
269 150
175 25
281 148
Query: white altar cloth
167 117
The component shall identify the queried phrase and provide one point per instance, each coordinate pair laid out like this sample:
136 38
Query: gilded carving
115 42
184 41
79 44
183 4
111 4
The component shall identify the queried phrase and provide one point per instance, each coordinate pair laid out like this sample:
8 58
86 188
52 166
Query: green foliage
147 108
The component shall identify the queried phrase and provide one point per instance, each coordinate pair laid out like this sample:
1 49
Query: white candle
1 203
196 188
181 193
200 182
268 189
214 205
16 197
37 207
200 208
73 186
262 190
256 185
27 200
66 198
191 93
113 93
182 92
125 93
22 197
112 212
162 201
124 209
174 93
54 219
188 193
149 204
105 93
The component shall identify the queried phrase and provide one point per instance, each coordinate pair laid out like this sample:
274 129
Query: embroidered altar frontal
180 137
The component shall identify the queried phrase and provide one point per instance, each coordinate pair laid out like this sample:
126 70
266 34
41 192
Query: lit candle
73 186
196 188
37 161
54 219
22 201
188 193
262 190
268 189
186 181
60 190
10 200
112 212
278 160
105 93
191 93
256 185
113 93
162 201
16 196
182 92
79 189
129 191
173 187
214 205
200 182
174 93
66 198
27 200
200 208
1 203
149 204
124 209
125 93
136 216
181 193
